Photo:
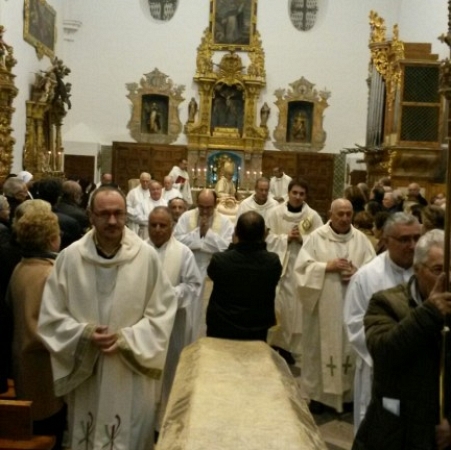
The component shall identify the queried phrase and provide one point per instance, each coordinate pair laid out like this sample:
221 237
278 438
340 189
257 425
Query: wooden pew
16 428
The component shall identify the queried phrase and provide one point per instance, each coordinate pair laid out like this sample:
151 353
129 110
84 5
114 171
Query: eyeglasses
435 270
405 240
105 215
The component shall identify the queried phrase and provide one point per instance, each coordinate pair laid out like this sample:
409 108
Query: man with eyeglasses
403 333
205 231
106 317
393 267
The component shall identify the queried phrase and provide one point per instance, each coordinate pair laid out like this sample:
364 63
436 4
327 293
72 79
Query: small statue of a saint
192 110
265 111
298 132
154 119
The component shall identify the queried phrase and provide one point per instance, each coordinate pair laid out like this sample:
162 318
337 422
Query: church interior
321 88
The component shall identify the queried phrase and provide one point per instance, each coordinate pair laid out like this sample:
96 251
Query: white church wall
117 43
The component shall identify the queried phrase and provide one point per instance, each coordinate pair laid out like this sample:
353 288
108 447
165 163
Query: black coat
244 286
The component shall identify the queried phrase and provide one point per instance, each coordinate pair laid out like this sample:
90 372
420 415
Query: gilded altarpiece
7 93
50 99
226 117
155 112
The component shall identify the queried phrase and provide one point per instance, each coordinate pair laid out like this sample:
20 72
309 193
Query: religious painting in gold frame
233 24
40 27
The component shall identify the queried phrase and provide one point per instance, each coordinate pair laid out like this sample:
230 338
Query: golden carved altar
50 99
229 94
8 92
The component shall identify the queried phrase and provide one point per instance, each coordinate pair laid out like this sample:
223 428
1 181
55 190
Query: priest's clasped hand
342 265
107 342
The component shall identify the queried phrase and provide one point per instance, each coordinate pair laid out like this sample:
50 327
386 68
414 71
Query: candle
261 173
205 170
239 168
247 173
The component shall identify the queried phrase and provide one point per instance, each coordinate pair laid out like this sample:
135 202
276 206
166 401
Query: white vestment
288 307
379 274
249 204
225 188
181 182
135 197
170 194
328 360
217 239
139 215
111 398
180 267
278 187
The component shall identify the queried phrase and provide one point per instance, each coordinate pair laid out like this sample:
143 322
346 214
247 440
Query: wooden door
285 160
79 167
318 170
131 158
164 158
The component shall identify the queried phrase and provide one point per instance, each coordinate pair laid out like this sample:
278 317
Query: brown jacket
404 342
31 361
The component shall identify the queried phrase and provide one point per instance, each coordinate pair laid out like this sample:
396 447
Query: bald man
135 198
414 194
205 231
324 266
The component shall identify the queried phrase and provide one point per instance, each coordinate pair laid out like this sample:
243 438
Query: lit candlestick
247 173
261 173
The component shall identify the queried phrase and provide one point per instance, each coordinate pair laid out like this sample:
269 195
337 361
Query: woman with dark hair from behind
38 234
356 197
378 230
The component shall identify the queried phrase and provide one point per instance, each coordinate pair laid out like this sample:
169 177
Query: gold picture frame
233 24
40 27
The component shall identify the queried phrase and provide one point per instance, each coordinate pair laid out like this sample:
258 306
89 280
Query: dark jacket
404 342
74 211
244 284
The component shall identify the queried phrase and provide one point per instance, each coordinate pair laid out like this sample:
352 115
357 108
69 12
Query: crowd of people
100 292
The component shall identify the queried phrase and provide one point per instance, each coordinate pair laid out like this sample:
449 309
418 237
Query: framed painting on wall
40 27
232 23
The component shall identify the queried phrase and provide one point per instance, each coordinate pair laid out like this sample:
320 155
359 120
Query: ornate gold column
7 93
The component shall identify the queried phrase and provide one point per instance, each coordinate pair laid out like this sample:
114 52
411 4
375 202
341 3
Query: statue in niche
265 111
298 131
154 119
192 110
228 107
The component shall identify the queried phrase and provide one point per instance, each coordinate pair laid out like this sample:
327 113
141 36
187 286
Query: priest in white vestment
278 185
325 264
180 177
135 197
289 225
106 318
205 231
169 191
259 202
180 267
387 270
142 210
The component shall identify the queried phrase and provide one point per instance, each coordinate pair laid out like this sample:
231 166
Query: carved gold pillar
7 93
